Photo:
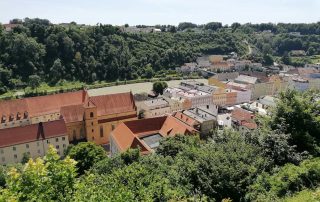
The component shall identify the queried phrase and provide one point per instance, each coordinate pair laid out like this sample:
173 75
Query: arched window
91 114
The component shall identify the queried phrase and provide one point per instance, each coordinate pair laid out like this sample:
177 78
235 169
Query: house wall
45 118
198 101
262 89
106 124
219 97
231 98
157 112
15 123
114 149
207 126
14 153
76 131
243 96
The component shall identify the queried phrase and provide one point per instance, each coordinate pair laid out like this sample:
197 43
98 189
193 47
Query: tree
186 25
286 59
56 71
267 59
149 71
171 146
34 81
2 177
47 179
25 158
222 168
287 180
159 86
298 114
213 26
86 154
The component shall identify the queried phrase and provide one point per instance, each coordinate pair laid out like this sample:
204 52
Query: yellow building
33 140
86 118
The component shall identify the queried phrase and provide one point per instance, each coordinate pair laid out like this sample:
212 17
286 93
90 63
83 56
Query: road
135 88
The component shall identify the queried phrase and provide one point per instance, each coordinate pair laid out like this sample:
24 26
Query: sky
151 12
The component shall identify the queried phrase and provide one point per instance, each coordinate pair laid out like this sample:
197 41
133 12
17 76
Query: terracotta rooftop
241 114
186 119
250 125
30 133
73 113
114 103
36 106
129 134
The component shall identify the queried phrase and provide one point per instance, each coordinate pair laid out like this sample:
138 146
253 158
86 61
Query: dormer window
11 118
25 115
18 115
3 119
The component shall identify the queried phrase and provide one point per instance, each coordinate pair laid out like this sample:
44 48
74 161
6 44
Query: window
14 148
74 134
57 139
63 138
27 146
101 131
57 147
92 138
39 151
92 123
64 145
1 151
92 130
3 159
48 141
112 127
91 114
15 156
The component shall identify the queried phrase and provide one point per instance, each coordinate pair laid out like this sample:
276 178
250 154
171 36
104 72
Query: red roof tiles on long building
114 103
41 105
30 133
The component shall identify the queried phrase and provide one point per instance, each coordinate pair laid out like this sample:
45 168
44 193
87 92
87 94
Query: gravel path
135 88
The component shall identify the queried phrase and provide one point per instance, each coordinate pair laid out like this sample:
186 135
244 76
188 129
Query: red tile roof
114 103
241 114
41 105
30 133
173 126
52 103
73 113
250 125
186 119
127 135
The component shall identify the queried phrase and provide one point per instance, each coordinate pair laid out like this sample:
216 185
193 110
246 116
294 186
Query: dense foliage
38 51
96 53
159 86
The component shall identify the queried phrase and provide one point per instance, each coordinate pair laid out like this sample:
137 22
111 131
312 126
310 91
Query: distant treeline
51 52
39 51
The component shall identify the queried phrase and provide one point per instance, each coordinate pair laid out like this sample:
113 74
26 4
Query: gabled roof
129 134
186 119
173 126
73 113
246 79
30 133
114 103
36 106
241 114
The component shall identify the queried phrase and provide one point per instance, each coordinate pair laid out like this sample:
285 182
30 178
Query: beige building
86 118
33 140
159 106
